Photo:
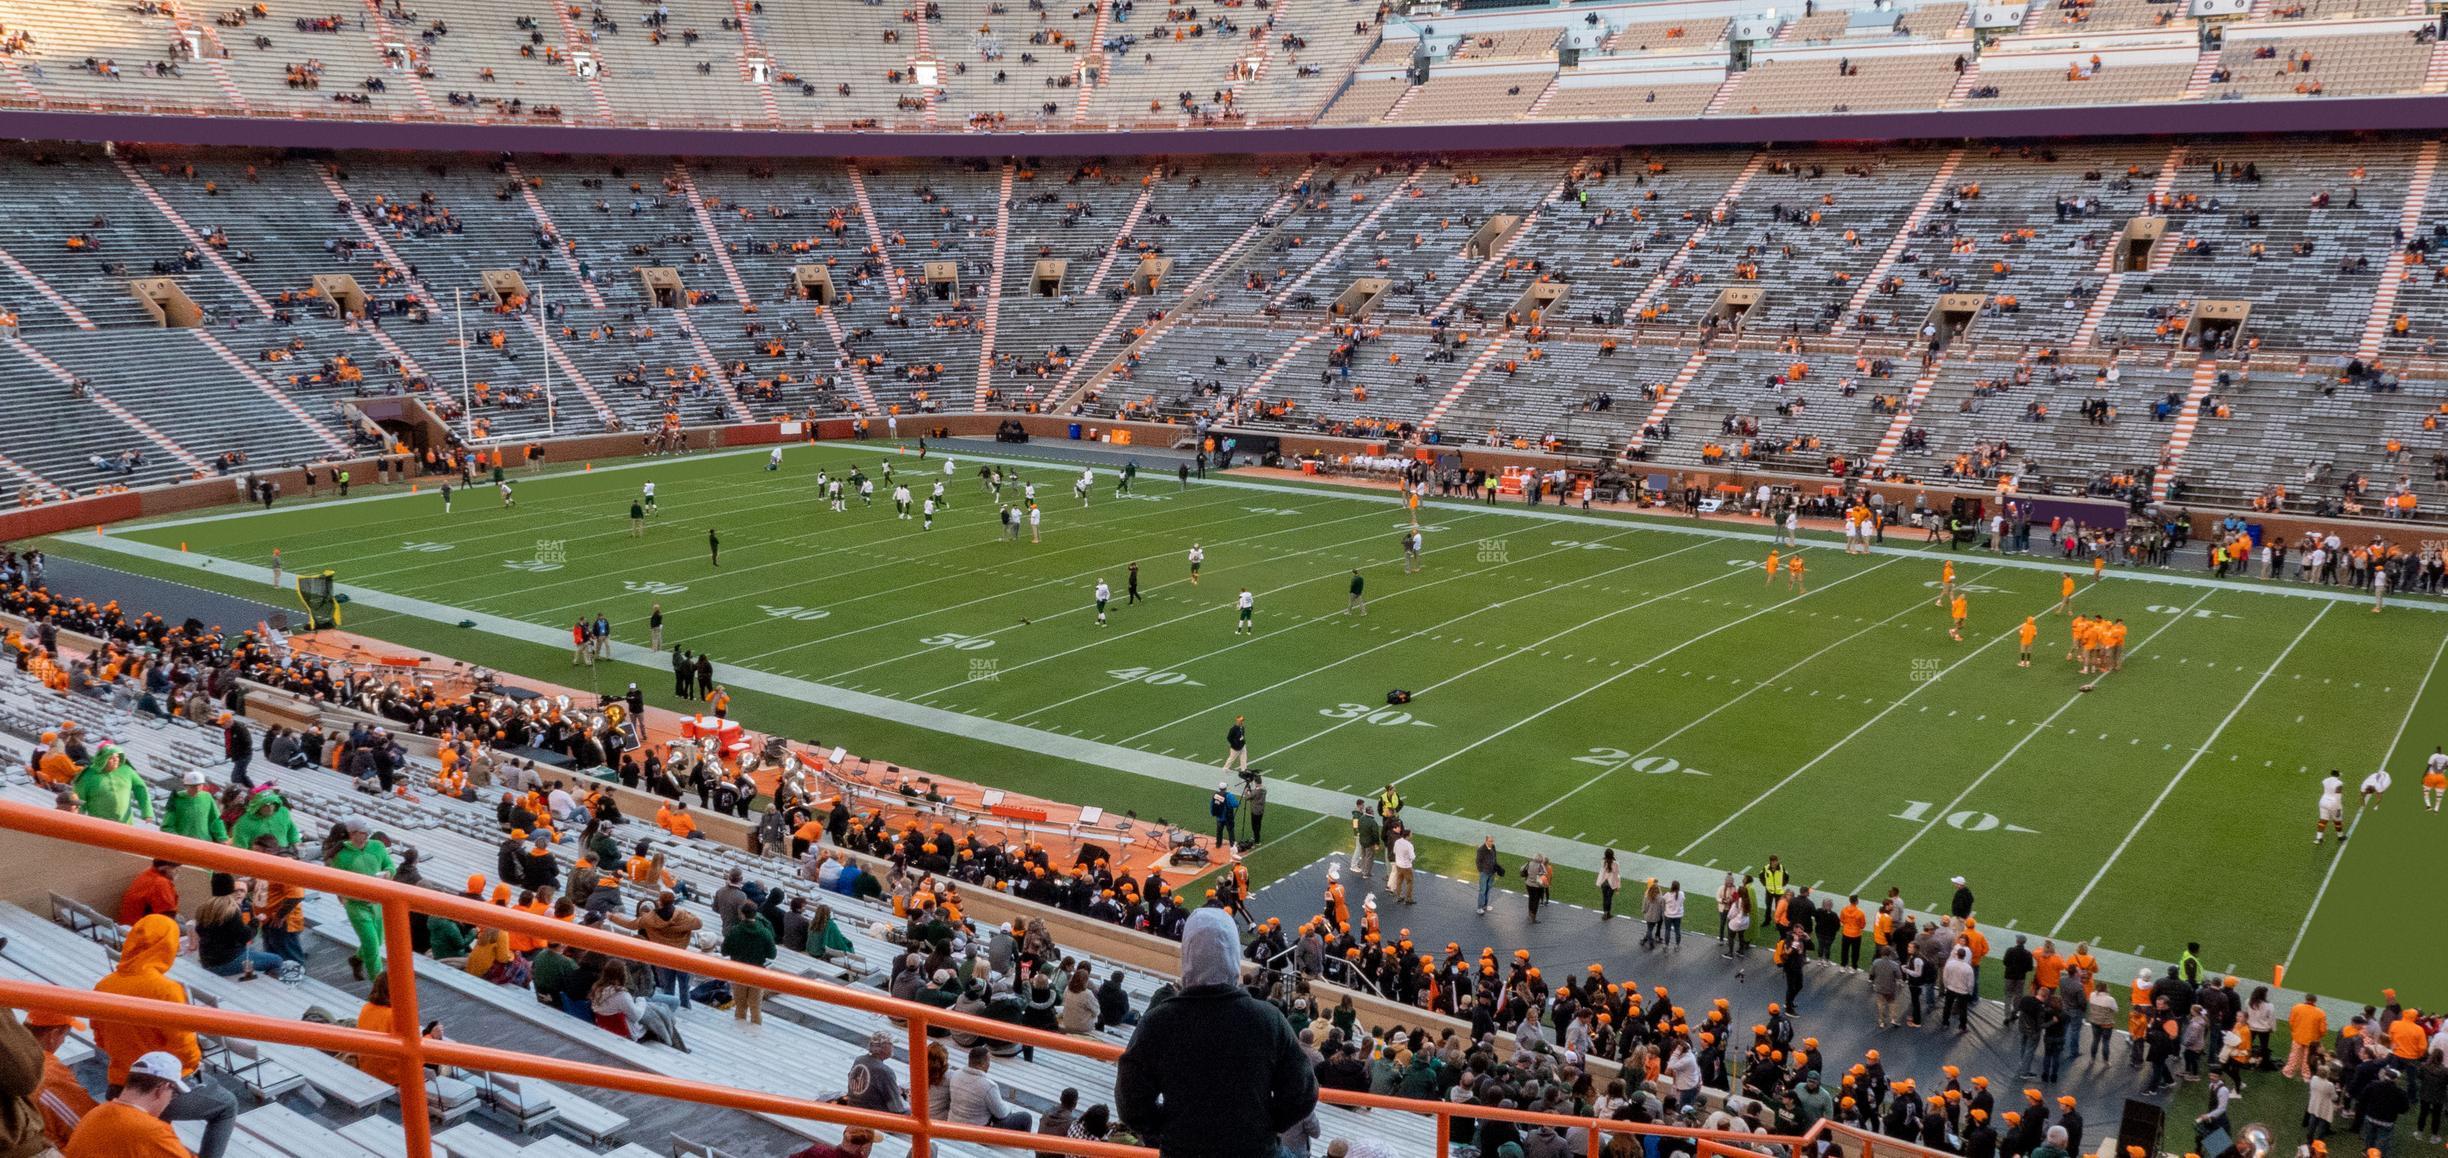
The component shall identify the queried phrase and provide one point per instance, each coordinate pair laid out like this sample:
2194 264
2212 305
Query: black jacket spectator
1213 1070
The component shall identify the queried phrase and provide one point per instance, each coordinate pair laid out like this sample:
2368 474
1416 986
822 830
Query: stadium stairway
2393 275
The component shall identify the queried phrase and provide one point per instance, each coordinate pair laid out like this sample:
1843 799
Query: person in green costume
110 788
267 814
194 812
364 855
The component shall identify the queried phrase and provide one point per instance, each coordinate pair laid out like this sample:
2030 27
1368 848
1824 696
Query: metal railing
408 1046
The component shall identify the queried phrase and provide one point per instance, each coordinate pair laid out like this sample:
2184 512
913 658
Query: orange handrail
414 1051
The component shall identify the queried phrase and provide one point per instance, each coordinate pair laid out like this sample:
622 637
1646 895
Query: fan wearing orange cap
61 1097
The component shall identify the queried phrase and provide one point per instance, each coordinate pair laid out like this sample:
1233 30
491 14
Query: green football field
1581 682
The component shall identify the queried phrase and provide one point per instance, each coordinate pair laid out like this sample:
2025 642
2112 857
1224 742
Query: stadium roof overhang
2281 116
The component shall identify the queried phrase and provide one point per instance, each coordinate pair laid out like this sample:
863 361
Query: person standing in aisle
1610 879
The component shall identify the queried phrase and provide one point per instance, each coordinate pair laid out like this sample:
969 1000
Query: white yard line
2319 894
1403 638
1082 607
2178 778
1917 604
833 530
1849 737
1610 680
1938 816
1065 579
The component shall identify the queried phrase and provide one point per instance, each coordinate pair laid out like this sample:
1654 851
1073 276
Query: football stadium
1253 579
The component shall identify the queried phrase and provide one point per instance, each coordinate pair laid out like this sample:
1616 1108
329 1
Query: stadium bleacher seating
1845 244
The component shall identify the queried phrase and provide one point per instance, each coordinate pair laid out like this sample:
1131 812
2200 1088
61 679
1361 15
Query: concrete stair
391 257
1545 96
705 221
574 41
66 308
379 27
744 15
162 206
577 378
875 228
1470 376
216 57
1399 102
2198 85
1122 234
153 433
1256 390
1682 256
991 317
1496 259
713 363
926 55
2180 435
2392 277
1903 240
1965 80
18 83
42 485
1266 223
1893 439
1667 397
258 381
2435 75
858 378
1093 59
1366 226
2113 280
1725 93
543 217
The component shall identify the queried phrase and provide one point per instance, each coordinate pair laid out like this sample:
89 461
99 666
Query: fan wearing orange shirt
131 1125
1850 920
2025 635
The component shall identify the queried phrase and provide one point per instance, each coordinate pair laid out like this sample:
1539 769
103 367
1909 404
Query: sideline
1666 525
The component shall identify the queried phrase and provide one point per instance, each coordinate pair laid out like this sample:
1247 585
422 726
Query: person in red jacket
153 891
